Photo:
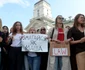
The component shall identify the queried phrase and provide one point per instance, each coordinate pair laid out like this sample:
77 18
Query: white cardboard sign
34 43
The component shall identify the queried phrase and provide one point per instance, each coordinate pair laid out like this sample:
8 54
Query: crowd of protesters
12 58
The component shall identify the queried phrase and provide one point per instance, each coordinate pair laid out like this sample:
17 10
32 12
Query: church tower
42 16
42 9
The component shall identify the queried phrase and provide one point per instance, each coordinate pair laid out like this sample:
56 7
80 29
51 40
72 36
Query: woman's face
32 30
18 26
60 19
81 19
5 30
43 31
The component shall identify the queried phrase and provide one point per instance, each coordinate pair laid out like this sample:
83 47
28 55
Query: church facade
42 16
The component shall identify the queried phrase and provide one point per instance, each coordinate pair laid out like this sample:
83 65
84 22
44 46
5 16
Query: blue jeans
58 63
26 63
34 62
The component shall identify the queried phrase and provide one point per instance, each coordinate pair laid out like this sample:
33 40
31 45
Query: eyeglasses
60 18
43 29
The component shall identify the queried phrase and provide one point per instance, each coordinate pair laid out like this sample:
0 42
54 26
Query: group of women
12 58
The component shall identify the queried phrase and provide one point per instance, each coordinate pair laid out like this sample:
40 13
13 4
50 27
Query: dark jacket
1 43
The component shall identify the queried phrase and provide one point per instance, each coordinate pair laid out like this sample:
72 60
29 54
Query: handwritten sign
34 43
60 51
57 49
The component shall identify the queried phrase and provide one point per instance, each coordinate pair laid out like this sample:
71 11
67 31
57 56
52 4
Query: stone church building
42 16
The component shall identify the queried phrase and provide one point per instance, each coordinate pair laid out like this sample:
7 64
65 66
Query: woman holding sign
33 58
15 54
77 34
44 55
59 35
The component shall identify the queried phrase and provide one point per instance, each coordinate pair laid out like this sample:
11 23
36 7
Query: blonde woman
33 57
59 35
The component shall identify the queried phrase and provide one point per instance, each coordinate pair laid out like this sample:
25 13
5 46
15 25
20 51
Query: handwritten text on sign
34 43
60 51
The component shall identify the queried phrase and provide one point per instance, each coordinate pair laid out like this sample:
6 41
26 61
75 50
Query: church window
38 12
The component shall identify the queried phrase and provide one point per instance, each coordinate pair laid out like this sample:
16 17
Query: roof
41 1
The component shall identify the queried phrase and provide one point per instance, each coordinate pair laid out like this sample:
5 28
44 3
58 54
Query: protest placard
34 43
57 49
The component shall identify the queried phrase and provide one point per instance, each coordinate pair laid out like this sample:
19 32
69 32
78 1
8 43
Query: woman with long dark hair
77 36
15 54
5 48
